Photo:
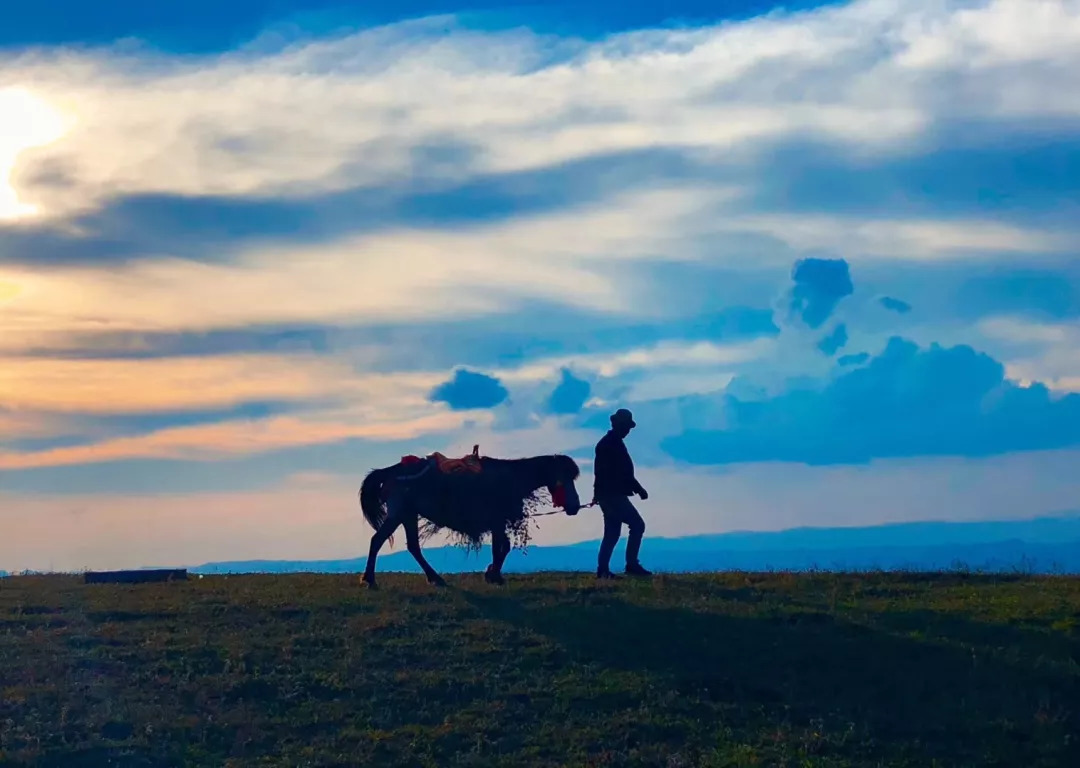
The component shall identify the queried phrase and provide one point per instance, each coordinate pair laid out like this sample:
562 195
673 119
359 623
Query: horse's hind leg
500 548
412 541
393 520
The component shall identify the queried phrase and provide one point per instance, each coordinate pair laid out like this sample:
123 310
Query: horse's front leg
412 542
393 520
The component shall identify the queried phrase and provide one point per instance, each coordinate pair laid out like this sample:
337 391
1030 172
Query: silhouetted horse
495 500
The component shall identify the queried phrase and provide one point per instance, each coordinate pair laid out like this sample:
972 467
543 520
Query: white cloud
1037 352
187 383
1006 32
359 110
352 110
661 356
1023 331
914 239
397 275
232 439
336 401
28 122
575 259
639 375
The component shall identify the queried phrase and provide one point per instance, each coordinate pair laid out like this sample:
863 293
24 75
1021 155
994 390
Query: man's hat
623 416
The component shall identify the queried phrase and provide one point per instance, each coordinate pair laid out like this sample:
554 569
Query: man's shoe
635 569
604 573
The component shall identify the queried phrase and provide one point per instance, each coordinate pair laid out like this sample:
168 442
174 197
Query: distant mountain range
1040 545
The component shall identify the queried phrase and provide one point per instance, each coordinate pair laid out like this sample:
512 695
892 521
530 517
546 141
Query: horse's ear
476 451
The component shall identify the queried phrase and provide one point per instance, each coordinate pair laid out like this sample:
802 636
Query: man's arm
631 477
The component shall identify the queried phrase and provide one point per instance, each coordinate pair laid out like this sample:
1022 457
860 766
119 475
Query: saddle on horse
470 463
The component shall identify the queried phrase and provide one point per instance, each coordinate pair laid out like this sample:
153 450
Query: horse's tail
371 496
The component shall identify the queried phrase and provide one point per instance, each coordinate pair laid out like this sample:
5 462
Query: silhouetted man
614 484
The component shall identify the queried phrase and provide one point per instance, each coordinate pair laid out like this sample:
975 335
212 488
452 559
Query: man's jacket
613 470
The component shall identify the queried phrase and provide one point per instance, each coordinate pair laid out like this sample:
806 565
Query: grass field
551 670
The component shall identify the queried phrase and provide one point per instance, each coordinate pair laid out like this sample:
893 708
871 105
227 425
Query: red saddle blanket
470 463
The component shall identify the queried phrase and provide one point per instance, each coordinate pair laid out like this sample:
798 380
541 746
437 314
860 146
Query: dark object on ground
135 577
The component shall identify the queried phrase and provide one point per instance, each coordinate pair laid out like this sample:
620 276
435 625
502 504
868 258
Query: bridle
557 510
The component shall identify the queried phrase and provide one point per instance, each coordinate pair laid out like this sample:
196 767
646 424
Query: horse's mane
559 463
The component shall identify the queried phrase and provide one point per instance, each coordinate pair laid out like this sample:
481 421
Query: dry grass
718 670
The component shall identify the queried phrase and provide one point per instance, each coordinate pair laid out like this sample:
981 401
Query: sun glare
26 121
8 290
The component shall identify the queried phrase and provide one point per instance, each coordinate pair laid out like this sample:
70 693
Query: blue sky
201 26
825 252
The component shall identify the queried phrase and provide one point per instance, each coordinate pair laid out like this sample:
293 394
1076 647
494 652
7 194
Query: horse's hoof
494 578
369 583
438 581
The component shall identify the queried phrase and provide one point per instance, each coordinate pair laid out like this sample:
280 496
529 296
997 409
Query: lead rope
557 511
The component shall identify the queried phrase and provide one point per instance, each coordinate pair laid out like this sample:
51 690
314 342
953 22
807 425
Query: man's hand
643 493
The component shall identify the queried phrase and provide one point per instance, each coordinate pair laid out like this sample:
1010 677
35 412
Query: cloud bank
906 401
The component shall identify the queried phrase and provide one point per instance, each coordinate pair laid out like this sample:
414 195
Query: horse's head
560 483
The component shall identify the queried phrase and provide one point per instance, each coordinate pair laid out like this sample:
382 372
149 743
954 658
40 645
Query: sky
826 253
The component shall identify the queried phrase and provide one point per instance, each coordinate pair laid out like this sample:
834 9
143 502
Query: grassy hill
726 669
